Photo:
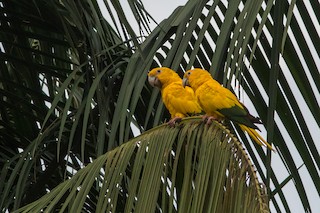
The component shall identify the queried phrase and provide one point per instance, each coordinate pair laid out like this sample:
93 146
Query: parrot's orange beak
154 81
185 82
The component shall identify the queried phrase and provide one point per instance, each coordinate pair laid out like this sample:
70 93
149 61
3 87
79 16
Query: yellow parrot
180 101
218 102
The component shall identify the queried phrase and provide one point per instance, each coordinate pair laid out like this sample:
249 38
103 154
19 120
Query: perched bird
218 102
180 101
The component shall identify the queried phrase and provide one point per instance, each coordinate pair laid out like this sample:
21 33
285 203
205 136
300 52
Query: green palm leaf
59 82
189 168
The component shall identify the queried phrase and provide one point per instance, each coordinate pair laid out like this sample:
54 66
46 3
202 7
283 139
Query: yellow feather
218 100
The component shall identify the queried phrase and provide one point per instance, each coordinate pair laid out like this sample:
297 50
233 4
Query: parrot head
195 77
162 76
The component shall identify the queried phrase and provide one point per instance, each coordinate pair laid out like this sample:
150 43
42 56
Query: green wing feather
239 115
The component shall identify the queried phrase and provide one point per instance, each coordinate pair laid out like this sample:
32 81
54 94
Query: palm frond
192 167
61 68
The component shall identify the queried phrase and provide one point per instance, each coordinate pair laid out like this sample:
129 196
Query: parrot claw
174 121
208 119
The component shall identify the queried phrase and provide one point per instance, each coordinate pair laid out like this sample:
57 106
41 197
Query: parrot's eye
158 71
188 73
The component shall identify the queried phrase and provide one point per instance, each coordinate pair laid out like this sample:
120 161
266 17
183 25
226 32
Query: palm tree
73 92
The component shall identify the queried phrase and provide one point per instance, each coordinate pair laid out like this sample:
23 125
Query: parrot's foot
174 121
209 118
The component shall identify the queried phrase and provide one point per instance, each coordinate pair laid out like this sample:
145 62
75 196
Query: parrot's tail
256 137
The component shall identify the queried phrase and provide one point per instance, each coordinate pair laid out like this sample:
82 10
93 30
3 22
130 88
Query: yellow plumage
218 102
179 101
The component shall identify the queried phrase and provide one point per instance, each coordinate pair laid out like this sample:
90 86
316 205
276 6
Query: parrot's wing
191 100
180 100
237 114
233 109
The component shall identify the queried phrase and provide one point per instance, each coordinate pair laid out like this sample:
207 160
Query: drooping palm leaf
188 168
